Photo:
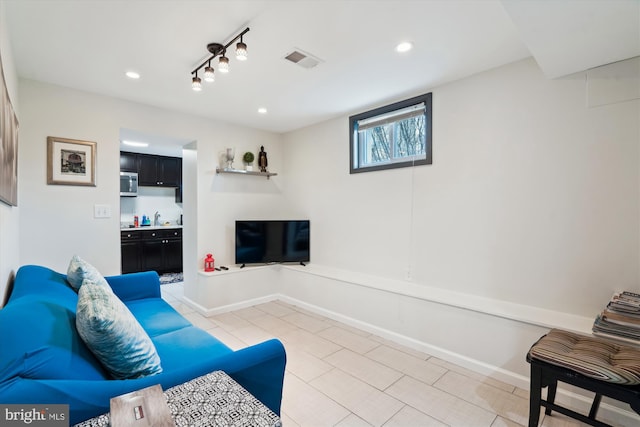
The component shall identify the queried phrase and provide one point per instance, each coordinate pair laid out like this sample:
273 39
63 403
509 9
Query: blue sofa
44 360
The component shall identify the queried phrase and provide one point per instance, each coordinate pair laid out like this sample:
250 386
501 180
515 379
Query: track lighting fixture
218 49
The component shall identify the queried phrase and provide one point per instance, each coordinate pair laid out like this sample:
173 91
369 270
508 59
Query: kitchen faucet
156 217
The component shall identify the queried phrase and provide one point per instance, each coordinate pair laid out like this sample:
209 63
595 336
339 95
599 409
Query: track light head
209 74
223 64
196 84
241 51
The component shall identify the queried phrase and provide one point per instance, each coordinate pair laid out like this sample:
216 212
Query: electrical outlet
101 211
407 274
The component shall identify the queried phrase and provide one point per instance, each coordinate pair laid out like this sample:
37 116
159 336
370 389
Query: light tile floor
337 375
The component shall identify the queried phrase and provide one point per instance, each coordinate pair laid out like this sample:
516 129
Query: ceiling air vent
303 59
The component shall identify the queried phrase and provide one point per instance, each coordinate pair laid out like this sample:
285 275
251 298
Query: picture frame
71 162
8 147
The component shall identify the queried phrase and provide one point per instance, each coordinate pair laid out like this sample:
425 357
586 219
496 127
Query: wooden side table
214 399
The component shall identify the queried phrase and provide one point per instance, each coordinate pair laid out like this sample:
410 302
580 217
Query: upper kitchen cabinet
159 170
128 162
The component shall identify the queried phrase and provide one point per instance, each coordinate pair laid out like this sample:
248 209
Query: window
393 136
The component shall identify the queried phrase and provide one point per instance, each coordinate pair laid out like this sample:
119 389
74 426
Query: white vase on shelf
231 154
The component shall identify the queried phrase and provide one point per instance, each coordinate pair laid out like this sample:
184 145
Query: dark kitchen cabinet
173 255
128 162
154 171
158 249
159 170
131 252
162 250
147 170
152 254
179 187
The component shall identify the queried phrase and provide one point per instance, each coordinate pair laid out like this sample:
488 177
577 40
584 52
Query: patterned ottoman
214 399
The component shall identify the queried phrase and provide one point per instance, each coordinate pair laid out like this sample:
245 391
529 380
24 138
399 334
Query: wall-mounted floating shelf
244 172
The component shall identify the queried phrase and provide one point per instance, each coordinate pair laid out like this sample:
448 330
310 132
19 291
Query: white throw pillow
80 270
113 334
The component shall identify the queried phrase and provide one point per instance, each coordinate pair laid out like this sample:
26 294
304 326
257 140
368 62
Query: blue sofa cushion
40 341
80 270
112 333
156 316
200 343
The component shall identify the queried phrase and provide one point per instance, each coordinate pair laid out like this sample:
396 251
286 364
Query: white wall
528 219
532 197
57 221
9 216
224 198
190 261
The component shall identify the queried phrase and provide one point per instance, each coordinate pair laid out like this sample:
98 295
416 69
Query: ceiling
88 45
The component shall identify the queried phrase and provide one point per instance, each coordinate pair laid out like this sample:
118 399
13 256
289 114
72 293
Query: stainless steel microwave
128 184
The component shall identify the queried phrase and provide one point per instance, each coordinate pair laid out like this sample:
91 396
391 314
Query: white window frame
359 153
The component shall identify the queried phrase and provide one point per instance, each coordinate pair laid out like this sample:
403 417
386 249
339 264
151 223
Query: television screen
267 241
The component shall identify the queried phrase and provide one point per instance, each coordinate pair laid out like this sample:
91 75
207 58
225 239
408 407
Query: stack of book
621 318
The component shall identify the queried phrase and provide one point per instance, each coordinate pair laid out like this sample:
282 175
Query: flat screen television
269 241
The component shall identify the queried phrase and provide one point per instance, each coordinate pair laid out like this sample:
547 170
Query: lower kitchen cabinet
130 249
173 255
157 249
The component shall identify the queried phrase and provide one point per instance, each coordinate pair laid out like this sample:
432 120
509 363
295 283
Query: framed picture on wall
8 147
71 162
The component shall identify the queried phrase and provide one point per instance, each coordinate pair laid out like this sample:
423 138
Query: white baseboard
208 312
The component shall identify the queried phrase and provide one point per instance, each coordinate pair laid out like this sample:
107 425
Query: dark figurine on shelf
262 160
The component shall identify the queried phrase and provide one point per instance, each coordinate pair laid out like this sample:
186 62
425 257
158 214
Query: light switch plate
102 211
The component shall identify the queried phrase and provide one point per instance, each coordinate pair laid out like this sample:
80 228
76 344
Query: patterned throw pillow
113 335
79 270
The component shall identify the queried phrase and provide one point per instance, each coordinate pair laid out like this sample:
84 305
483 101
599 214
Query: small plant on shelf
248 159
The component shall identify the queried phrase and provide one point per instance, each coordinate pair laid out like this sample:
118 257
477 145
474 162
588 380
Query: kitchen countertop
149 227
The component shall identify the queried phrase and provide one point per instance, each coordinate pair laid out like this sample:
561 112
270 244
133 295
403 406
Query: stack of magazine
621 318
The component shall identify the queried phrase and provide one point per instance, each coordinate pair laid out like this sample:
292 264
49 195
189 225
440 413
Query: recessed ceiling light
404 47
132 75
262 110
135 144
